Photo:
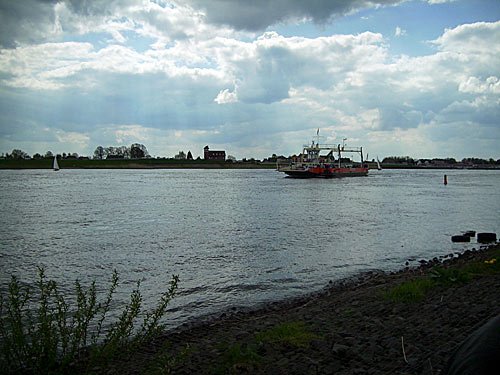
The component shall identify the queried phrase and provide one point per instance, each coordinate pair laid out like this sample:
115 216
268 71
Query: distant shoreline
132 164
185 164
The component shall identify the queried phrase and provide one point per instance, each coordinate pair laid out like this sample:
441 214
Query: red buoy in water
445 180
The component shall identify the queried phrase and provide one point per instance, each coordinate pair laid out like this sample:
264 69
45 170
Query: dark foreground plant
41 333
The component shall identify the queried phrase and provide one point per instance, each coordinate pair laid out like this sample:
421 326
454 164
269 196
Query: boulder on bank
460 238
486 237
470 233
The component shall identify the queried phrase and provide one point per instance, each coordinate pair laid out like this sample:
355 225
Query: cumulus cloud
475 85
225 96
148 71
471 38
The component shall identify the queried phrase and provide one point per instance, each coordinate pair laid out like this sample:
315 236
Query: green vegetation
40 332
448 276
416 289
245 357
409 291
292 333
238 358
165 362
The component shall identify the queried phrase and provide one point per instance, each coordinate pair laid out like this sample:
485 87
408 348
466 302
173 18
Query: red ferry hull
320 172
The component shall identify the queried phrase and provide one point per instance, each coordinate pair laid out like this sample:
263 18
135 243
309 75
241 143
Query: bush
41 333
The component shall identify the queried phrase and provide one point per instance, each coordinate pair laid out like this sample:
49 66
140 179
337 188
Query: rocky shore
354 326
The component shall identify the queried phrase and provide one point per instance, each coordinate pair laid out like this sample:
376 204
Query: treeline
134 151
139 151
406 160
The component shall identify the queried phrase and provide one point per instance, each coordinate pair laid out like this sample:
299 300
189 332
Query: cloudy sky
415 77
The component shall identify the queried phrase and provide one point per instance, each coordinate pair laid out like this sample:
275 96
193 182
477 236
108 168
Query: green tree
99 153
19 154
138 150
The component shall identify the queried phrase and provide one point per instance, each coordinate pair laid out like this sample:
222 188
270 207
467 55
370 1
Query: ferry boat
311 163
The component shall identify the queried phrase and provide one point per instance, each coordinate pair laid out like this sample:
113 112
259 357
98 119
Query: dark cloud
31 21
34 21
259 14
89 7
25 21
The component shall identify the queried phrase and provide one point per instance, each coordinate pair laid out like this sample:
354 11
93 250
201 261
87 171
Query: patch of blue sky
418 22
102 39
98 40
138 42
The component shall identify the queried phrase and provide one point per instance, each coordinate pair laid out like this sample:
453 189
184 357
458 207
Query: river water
234 237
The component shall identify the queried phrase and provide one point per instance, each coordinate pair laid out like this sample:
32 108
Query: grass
165 362
238 358
291 333
409 291
246 357
416 289
42 333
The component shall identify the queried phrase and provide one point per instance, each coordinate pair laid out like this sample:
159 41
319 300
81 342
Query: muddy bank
351 327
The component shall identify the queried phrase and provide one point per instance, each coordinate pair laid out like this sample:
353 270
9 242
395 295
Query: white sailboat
378 165
55 165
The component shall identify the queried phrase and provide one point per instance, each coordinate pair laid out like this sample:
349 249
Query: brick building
213 155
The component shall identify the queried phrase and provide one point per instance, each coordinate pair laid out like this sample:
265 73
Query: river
234 237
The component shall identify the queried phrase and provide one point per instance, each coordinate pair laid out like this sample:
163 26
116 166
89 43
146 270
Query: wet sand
352 328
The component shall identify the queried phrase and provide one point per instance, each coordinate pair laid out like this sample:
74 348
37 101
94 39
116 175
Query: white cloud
399 32
225 96
475 85
471 38
125 134
42 66
73 139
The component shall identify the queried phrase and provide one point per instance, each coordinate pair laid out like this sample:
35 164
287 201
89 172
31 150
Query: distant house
213 155
180 156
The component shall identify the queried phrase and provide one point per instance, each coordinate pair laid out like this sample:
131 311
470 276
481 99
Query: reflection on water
235 237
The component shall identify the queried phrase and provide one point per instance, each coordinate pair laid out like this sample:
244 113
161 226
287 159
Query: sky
254 78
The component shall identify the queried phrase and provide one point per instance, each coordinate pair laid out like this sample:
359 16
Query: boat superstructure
318 160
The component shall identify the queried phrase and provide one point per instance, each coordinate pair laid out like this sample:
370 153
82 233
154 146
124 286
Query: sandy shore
351 327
